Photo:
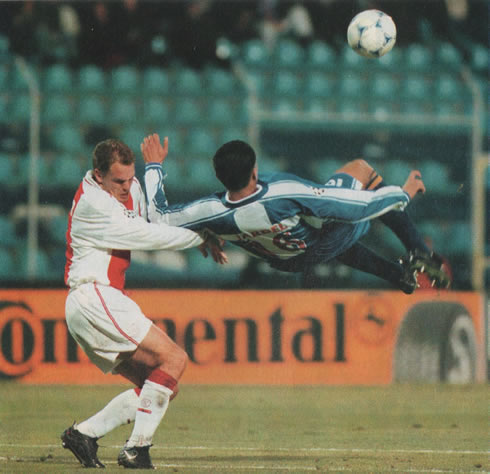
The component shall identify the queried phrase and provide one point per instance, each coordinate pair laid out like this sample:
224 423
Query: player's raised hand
414 184
153 151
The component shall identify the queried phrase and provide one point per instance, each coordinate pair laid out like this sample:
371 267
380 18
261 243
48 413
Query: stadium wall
267 337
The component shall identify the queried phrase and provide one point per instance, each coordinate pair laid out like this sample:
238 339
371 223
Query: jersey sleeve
351 205
189 215
110 225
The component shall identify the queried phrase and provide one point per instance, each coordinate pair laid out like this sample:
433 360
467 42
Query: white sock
153 403
120 410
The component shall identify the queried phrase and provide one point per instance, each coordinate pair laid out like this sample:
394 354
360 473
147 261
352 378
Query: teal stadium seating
201 141
417 58
219 82
8 268
286 83
7 231
220 111
124 110
19 108
58 78
156 111
68 137
125 80
188 112
56 108
92 109
288 54
187 82
254 54
319 85
7 171
155 81
320 56
448 56
383 86
91 79
67 171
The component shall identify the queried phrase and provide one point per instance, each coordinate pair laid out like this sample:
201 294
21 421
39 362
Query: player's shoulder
287 183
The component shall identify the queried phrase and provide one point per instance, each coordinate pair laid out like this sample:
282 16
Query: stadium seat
91 79
175 138
92 110
124 110
133 135
448 56
351 86
436 176
8 268
288 54
480 59
382 110
351 60
320 55
156 110
350 107
155 81
20 108
67 171
219 81
17 81
285 83
417 57
125 80
201 141
254 54
7 232
200 175
56 108
383 86
58 78
43 268
7 171
318 107
24 170
257 82
395 172
447 87
187 82
188 112
220 111
460 238
319 84
285 106
233 132
68 138
323 168
415 87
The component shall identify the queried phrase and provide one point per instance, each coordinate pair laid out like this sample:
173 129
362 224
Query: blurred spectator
194 36
100 41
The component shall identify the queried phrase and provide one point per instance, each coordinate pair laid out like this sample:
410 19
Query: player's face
117 181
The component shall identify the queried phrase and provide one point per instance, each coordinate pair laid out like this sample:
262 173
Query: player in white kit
108 219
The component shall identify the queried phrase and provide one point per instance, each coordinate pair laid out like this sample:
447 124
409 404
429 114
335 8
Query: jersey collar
262 188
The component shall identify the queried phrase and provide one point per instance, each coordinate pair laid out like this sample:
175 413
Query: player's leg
156 365
362 258
419 258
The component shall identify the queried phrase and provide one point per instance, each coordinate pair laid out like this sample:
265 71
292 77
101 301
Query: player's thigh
158 350
361 170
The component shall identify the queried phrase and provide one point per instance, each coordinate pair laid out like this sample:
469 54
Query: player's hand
414 184
153 151
214 246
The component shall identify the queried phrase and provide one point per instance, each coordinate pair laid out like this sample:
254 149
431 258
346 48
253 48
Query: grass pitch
213 429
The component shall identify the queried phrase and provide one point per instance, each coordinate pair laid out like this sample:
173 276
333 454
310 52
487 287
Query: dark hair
108 152
233 163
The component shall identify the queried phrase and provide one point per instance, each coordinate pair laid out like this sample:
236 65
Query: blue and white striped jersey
284 217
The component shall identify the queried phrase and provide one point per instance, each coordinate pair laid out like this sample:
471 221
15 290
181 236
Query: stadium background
276 73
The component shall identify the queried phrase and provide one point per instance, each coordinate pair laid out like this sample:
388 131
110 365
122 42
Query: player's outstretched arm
153 151
414 184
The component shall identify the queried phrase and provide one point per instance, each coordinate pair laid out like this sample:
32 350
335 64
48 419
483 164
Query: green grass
398 428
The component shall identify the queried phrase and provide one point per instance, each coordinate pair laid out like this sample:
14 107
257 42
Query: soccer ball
371 33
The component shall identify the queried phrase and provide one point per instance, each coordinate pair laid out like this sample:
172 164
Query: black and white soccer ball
371 33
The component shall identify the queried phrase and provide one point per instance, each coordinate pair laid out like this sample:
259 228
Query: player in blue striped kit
293 223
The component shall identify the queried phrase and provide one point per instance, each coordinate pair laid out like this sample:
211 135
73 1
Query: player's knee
174 361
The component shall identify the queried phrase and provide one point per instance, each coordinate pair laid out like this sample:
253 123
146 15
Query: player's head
113 165
234 163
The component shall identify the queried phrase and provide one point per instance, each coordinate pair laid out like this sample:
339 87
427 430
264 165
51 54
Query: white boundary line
271 449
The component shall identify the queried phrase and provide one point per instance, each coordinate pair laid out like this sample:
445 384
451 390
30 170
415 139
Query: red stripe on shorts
106 309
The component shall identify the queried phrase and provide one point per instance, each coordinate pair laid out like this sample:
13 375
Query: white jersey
102 232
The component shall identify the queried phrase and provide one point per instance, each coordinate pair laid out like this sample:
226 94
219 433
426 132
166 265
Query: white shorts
104 322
